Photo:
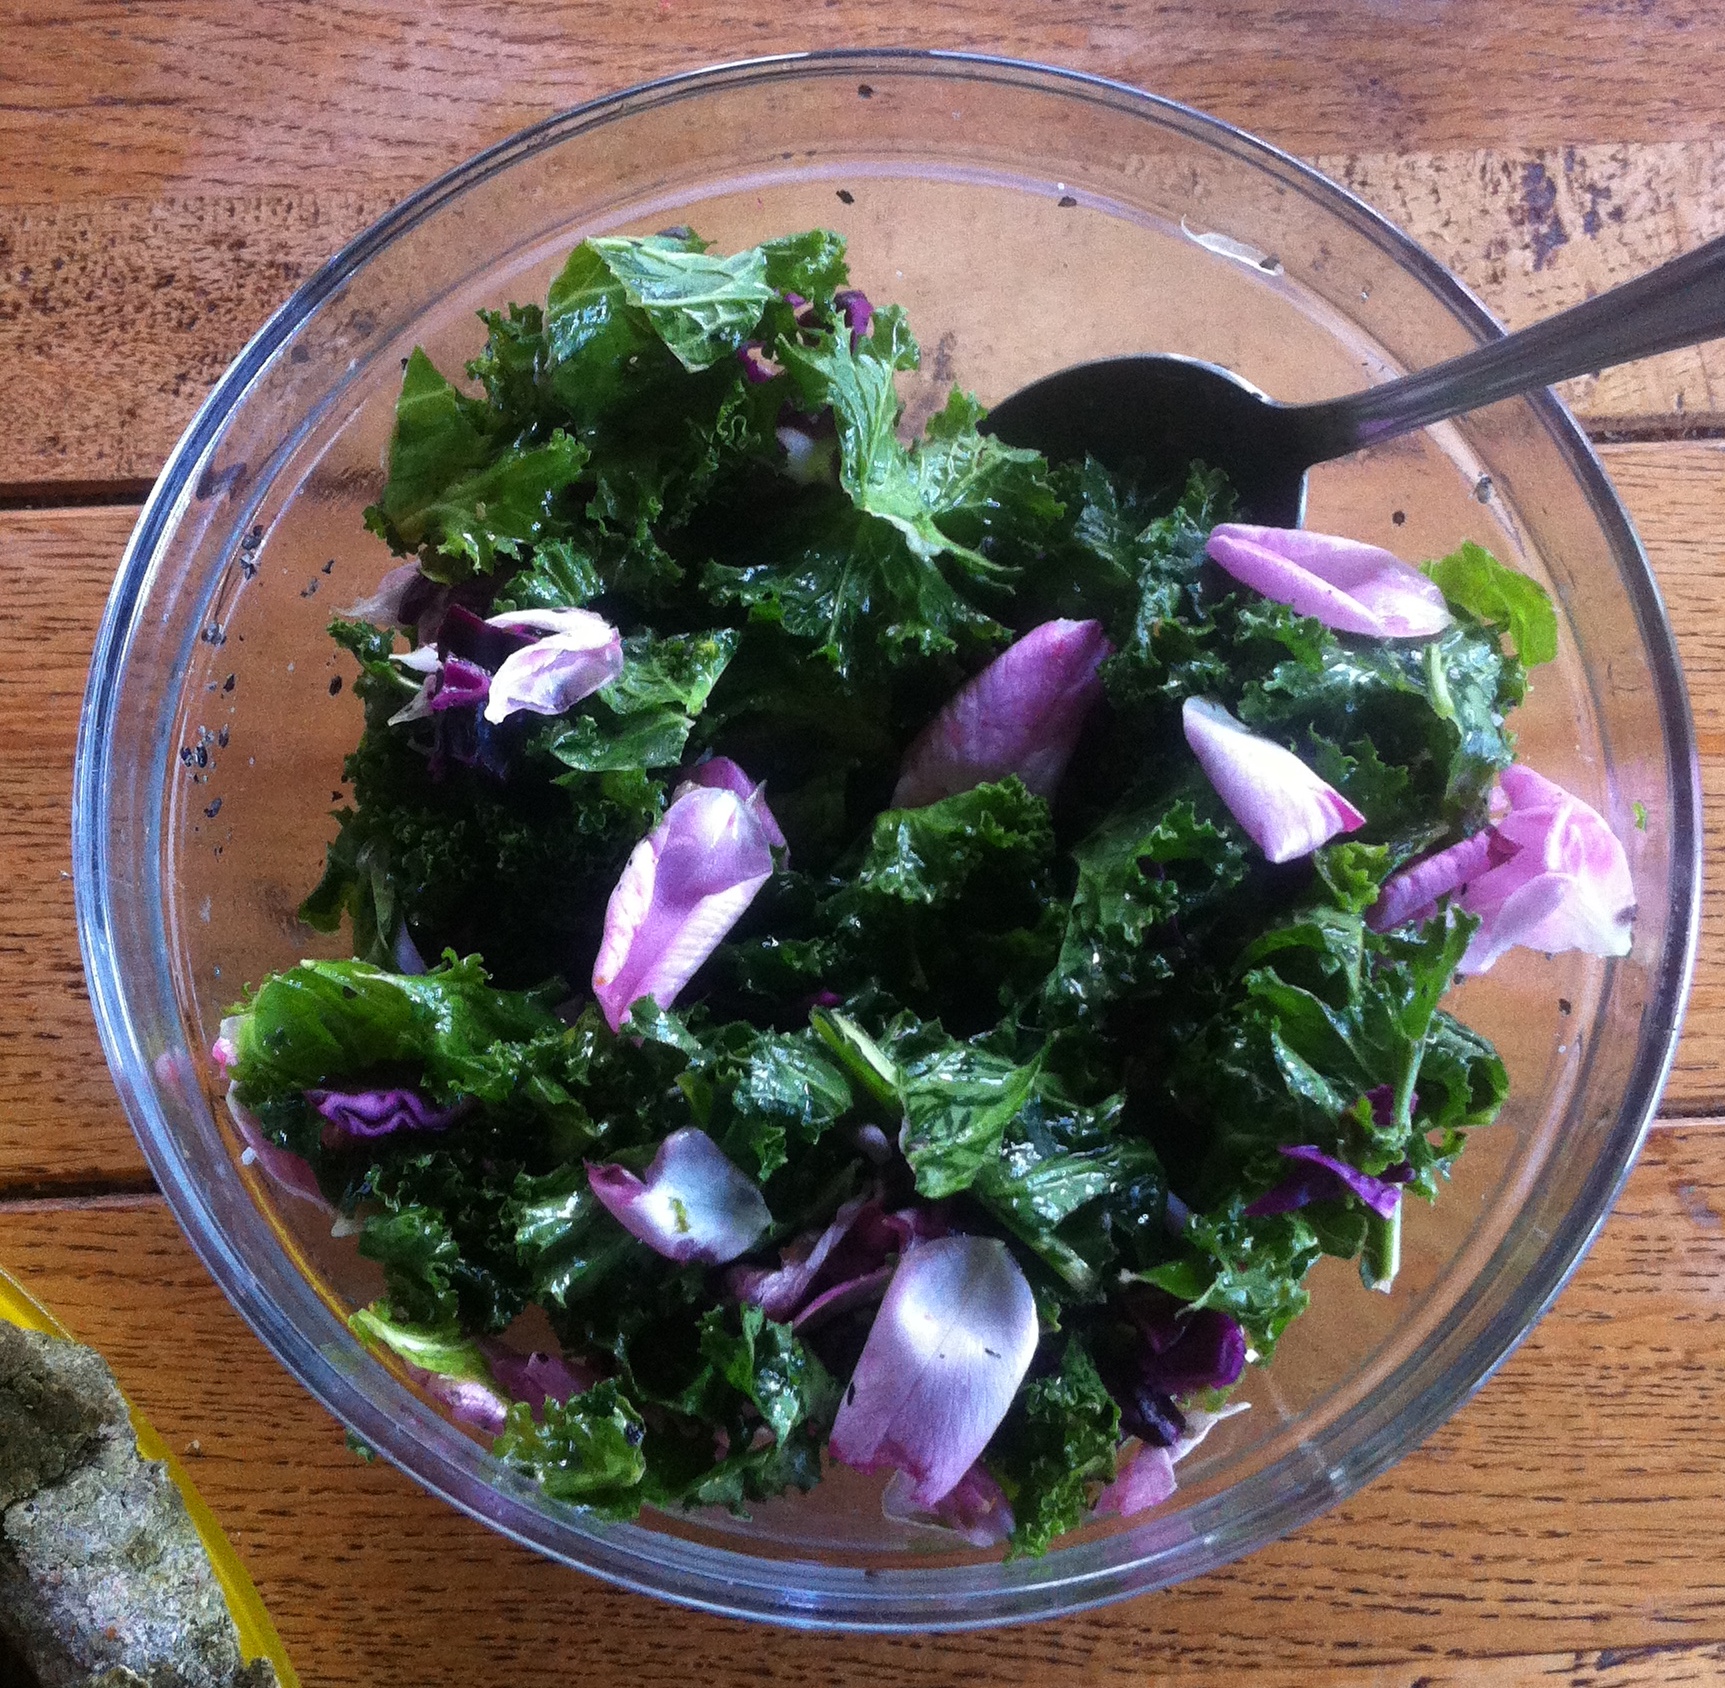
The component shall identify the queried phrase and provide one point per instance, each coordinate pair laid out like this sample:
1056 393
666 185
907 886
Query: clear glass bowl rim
824 1597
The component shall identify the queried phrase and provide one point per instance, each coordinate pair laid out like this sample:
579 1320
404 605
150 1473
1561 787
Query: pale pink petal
780 1292
721 773
292 1172
1560 879
1412 894
225 1051
1199 1424
417 707
1021 715
1515 921
384 607
1284 807
684 887
565 623
693 1205
1351 587
1146 1479
842 1298
578 653
974 1508
536 1378
944 1358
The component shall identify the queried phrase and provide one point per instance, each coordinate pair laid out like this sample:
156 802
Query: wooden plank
123 299
122 97
1571 1514
1676 496
1533 230
1613 1667
60 1125
60 1122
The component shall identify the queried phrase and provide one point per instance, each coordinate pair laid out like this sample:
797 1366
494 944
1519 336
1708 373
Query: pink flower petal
225 1051
974 1508
384 608
1021 715
1284 807
779 1293
692 1205
292 1172
1145 1480
1577 848
1516 920
943 1360
1413 893
536 1378
684 887
842 1298
1549 875
577 653
1351 587
722 774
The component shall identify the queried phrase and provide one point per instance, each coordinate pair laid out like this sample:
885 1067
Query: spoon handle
1678 304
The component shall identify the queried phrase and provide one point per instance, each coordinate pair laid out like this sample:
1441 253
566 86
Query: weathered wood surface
1562 1523
118 315
170 171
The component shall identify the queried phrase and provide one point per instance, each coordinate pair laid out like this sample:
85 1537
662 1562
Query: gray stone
104 1582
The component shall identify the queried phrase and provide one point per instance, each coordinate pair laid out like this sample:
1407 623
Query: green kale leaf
1055 1447
587 1449
1475 583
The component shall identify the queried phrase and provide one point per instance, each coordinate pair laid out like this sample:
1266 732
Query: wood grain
1578 1503
106 98
61 1124
118 315
168 174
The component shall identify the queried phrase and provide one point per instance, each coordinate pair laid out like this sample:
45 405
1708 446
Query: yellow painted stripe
258 1638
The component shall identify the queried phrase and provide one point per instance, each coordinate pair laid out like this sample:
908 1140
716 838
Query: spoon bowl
1153 416
1158 414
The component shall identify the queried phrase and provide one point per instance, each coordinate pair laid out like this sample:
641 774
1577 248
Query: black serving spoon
1163 411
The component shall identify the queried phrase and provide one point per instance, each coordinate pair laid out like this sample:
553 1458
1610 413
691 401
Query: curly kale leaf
587 1449
1079 1191
1056 1446
1476 584
453 494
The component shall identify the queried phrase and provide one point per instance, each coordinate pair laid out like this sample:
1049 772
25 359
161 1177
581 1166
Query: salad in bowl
870 946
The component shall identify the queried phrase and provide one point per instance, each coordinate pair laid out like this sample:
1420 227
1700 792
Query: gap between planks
81 1195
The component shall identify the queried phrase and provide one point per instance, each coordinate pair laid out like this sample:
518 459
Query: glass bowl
1029 219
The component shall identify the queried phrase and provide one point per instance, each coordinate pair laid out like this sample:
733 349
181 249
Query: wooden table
169 171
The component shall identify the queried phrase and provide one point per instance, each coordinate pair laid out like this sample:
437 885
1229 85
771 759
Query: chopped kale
1087 1025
